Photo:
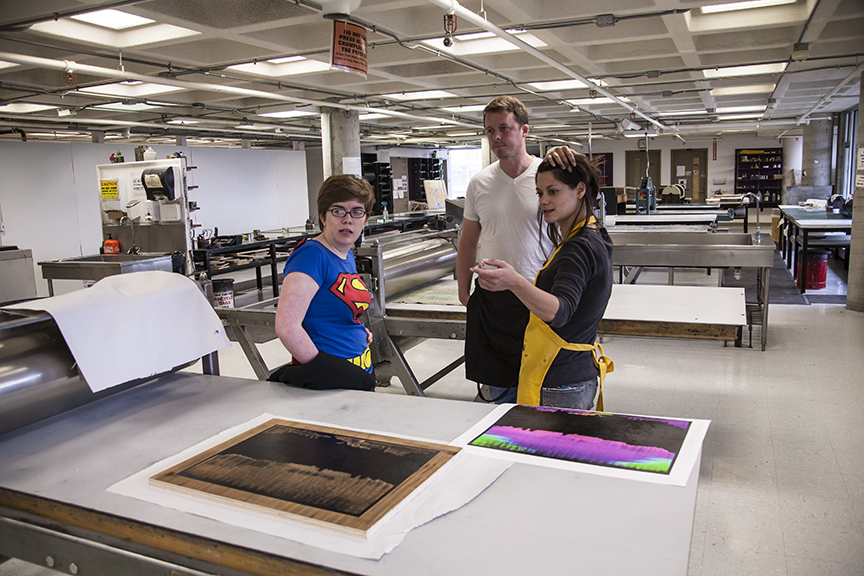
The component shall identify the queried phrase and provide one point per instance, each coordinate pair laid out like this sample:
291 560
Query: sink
620 237
682 249
99 266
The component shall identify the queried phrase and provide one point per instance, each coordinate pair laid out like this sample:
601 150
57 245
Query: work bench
799 223
55 508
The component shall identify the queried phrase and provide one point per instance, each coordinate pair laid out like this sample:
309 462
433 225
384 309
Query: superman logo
350 289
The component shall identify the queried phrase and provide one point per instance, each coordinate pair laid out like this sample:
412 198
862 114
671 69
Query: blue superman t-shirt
333 318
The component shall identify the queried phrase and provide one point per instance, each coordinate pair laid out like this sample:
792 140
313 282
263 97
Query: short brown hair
507 104
344 187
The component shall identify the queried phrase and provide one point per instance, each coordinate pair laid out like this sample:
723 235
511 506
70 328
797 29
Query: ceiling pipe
828 96
452 6
70 66
104 125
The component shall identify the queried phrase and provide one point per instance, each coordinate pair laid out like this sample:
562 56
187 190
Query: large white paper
136 325
449 489
678 476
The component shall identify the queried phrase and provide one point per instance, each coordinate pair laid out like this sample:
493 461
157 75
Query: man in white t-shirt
501 221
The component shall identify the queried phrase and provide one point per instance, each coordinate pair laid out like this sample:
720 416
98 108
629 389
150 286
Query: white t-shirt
506 209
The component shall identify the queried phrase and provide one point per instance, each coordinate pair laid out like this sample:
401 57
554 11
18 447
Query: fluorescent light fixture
471 108
422 95
775 68
683 113
364 117
254 126
58 134
120 107
739 109
6 64
387 136
182 122
118 29
558 85
482 43
638 135
715 8
751 89
741 116
130 90
287 114
593 101
22 108
463 133
288 66
548 126
114 19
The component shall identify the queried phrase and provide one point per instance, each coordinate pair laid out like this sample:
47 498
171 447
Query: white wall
49 194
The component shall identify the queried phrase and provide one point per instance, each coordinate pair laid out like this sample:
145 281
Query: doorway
690 169
637 161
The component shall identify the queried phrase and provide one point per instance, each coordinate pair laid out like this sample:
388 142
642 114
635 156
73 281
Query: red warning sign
348 50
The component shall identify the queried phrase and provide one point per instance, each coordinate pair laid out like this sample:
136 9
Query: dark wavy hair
585 170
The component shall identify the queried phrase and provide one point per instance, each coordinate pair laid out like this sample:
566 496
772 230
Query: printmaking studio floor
781 489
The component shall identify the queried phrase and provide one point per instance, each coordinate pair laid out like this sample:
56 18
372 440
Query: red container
111 246
817 270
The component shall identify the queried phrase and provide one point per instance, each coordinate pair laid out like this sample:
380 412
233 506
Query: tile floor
781 488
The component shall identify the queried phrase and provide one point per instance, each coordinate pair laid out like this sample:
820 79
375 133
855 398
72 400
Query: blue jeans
577 396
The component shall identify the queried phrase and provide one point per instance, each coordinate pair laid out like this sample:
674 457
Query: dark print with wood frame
338 478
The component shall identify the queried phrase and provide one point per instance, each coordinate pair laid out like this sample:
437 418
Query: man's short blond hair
507 104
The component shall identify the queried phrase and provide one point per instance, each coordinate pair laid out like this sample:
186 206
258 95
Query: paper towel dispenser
158 183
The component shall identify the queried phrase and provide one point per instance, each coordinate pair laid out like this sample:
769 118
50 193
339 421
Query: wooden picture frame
342 479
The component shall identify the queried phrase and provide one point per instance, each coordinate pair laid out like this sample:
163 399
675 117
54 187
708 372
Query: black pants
494 332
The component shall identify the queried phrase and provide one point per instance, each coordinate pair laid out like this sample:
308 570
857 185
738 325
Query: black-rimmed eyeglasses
341 212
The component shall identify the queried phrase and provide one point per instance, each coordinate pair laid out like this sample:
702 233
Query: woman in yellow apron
561 362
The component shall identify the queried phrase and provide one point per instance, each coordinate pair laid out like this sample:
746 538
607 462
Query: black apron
494 332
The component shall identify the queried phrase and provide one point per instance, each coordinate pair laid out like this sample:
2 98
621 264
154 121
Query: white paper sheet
135 325
449 489
681 469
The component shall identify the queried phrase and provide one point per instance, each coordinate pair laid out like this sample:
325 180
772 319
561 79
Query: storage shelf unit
380 175
760 171
420 169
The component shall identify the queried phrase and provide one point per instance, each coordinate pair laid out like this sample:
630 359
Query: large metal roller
409 265
38 375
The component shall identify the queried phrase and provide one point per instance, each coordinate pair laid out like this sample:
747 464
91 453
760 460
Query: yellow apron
541 345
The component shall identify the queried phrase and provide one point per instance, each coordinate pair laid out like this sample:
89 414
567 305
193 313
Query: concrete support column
486 155
97 137
180 140
340 139
855 281
817 153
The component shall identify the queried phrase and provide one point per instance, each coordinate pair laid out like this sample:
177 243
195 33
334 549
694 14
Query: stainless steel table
531 520
666 217
799 220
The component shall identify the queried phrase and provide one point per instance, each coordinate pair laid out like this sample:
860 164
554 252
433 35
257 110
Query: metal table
638 250
798 220
54 504
666 217
100 266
